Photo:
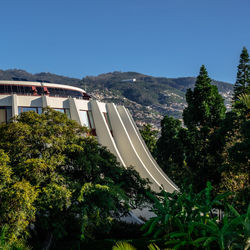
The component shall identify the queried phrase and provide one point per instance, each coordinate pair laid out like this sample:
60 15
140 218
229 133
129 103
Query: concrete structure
113 125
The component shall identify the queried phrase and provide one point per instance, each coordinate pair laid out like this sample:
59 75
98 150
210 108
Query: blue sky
171 38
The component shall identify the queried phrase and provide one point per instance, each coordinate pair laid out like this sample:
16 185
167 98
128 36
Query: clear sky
171 38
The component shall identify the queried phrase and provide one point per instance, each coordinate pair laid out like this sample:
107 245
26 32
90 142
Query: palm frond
122 245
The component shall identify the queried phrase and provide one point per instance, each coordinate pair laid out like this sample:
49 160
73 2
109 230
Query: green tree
203 117
149 136
60 176
170 150
205 105
17 197
5 171
235 131
242 84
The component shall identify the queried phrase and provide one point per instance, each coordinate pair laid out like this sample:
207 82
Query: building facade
112 125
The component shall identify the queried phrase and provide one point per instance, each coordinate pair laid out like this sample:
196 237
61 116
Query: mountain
17 74
148 98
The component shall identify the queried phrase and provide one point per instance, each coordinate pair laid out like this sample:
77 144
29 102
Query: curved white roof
41 84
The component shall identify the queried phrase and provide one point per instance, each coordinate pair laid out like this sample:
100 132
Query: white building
113 125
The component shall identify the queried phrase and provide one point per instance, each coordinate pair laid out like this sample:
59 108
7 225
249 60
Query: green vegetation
5 243
213 144
185 221
60 189
243 76
54 176
205 106
188 153
149 136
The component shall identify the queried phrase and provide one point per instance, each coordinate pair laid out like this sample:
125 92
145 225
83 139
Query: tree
235 131
192 155
205 105
17 210
61 176
202 117
170 150
242 84
149 136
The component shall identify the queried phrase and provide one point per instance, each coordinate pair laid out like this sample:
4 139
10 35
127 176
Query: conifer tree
202 117
242 84
205 104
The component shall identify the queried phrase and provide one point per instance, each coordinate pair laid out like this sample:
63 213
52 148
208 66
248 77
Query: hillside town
152 114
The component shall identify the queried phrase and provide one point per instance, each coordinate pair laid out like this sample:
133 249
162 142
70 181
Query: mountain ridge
148 98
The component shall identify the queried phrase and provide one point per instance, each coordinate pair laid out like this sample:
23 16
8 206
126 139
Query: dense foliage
58 183
170 150
52 175
188 153
214 145
190 220
149 136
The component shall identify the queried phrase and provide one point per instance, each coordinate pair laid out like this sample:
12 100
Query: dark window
39 90
64 92
106 116
91 120
73 93
1 89
34 90
16 89
107 120
7 89
5 114
46 91
27 90
8 113
53 91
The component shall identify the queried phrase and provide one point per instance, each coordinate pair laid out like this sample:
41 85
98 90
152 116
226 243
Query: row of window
35 90
85 116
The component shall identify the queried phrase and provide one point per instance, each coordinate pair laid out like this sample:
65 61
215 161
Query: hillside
148 98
